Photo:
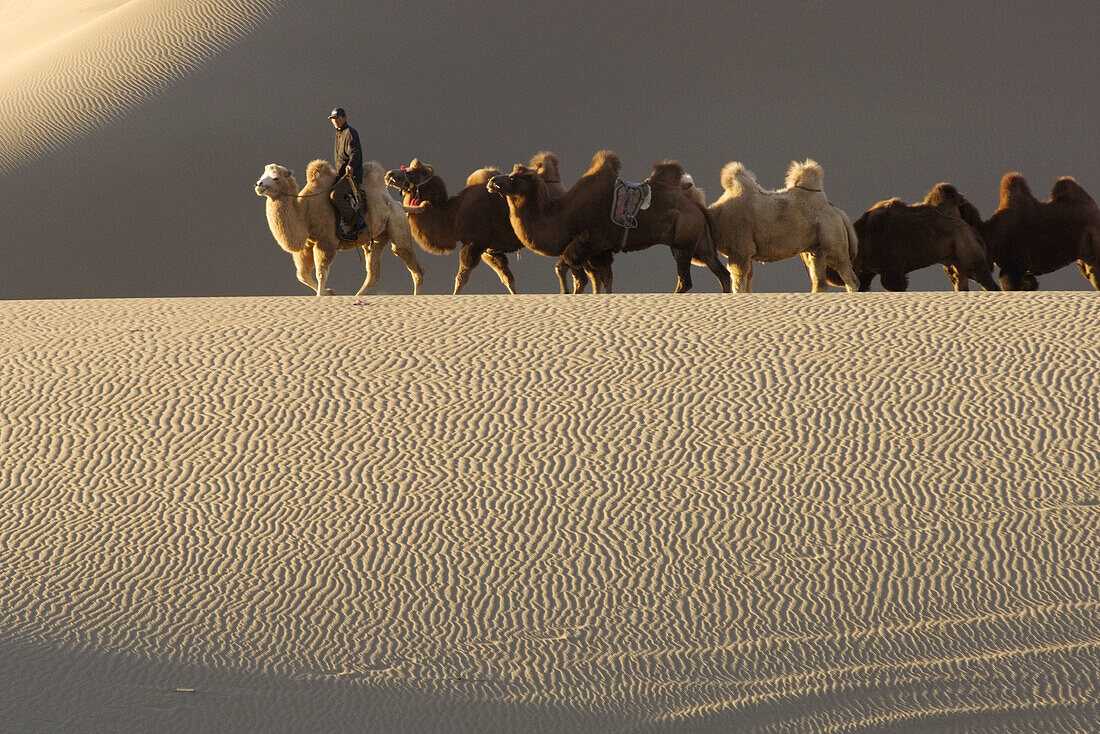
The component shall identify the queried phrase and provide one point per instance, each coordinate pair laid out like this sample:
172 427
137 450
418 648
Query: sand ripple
87 65
774 513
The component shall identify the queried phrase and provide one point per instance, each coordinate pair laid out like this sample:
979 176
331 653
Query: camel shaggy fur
579 228
754 224
1028 237
896 239
304 224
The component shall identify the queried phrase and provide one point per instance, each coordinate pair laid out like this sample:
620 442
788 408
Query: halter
415 187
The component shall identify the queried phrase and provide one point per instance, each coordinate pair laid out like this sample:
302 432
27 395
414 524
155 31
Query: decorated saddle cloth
351 212
629 199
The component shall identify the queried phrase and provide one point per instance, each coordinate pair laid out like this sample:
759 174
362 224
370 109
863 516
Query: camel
578 227
304 224
896 239
754 224
1027 237
473 217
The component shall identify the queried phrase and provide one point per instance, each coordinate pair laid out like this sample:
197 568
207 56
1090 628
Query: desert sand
696 513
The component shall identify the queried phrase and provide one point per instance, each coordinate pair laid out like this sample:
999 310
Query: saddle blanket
629 199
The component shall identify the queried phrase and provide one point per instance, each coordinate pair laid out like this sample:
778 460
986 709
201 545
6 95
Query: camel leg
322 261
573 259
580 277
303 268
1090 271
958 279
499 263
408 256
599 268
837 262
895 282
818 274
741 275
865 279
372 256
683 257
1013 280
709 257
468 258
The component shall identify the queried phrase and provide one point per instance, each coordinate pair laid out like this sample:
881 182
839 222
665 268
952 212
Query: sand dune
67 66
774 513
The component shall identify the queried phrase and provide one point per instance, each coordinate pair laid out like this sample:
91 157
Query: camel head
276 181
522 181
410 179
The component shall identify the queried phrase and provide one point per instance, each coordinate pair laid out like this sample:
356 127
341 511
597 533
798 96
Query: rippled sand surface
69 65
704 513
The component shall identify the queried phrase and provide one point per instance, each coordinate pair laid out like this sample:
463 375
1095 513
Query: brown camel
896 239
473 217
578 226
1028 237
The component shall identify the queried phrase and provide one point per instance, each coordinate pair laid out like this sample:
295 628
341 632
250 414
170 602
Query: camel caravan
496 214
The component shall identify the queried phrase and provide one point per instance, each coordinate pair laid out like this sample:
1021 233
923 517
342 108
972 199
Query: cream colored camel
304 224
754 224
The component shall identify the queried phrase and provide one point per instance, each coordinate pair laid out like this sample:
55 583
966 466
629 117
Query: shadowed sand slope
490 514
69 65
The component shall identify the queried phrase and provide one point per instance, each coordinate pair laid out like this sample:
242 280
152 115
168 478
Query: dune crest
778 513
67 66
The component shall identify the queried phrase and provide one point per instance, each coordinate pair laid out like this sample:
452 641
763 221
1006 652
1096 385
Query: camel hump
319 170
668 172
481 176
887 203
1067 188
735 175
1015 191
605 159
544 160
944 196
374 175
806 175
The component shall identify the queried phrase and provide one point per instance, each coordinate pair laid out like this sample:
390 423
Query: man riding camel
348 156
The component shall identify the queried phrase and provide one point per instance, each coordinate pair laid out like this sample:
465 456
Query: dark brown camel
896 239
473 217
1028 237
578 226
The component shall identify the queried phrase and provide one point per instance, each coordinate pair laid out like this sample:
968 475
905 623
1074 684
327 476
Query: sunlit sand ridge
776 513
68 65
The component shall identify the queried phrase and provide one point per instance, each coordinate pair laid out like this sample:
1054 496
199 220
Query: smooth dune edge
54 94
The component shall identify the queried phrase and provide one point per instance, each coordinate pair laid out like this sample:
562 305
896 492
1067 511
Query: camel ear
429 170
415 163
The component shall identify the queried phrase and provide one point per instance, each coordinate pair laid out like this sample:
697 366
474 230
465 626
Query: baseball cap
338 112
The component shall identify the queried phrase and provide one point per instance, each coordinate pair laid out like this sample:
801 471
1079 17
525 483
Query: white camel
754 224
304 224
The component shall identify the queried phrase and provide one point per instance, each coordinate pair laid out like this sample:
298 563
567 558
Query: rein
805 188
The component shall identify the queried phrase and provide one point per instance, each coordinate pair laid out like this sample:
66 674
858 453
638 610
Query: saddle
629 199
350 208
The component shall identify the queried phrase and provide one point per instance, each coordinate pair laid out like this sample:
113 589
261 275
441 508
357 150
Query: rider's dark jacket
346 151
